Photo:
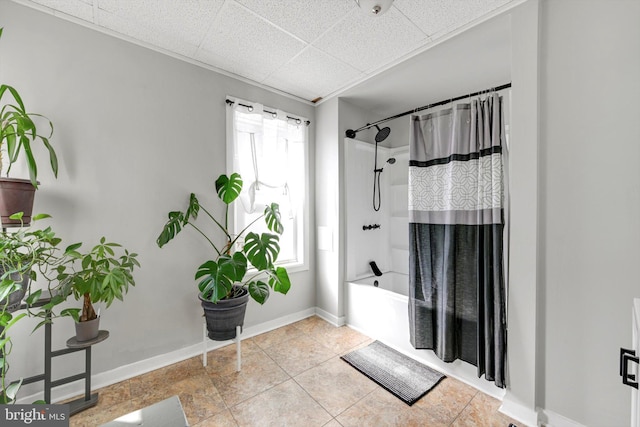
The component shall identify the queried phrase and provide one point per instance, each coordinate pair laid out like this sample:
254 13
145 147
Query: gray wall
333 118
589 203
136 131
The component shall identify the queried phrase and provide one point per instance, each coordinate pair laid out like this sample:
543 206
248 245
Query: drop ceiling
310 49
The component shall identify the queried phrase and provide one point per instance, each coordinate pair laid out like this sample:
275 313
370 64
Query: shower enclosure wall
387 245
378 306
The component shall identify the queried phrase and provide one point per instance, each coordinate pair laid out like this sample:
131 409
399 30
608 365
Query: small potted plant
101 275
19 129
236 270
25 255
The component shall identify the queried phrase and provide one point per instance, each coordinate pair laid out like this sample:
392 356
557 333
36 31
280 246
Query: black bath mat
402 376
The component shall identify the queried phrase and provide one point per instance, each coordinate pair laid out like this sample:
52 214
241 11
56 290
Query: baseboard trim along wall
334 320
551 419
126 372
527 416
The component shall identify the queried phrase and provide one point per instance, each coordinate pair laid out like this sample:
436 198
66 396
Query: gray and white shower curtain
456 220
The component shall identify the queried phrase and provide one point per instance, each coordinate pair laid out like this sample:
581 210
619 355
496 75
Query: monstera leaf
192 209
229 188
279 280
171 228
217 278
261 250
272 218
259 291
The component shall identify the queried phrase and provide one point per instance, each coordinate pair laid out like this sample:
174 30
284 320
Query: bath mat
402 376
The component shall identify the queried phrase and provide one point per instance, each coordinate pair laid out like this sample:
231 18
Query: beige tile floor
292 376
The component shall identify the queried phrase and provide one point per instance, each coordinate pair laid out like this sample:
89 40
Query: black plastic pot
223 316
15 298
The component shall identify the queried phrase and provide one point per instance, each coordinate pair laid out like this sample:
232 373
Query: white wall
589 203
363 246
328 291
135 131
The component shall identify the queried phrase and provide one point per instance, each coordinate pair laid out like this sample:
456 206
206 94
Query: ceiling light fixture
374 7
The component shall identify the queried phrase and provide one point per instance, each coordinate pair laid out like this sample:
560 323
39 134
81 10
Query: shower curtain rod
350 133
273 113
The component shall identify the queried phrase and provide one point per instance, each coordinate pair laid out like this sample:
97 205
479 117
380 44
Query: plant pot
86 331
16 195
223 316
15 298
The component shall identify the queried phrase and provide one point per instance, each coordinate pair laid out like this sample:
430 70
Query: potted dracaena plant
19 129
237 271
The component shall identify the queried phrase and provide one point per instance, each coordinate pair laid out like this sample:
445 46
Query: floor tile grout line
465 407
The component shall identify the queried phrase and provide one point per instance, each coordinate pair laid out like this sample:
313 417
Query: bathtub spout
375 268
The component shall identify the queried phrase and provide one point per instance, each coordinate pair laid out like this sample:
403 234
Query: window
269 150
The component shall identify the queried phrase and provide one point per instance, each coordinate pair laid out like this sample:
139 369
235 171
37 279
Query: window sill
293 267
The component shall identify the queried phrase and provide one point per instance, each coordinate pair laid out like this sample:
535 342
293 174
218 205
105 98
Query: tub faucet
375 268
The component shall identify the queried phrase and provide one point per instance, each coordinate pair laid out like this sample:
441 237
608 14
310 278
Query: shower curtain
457 293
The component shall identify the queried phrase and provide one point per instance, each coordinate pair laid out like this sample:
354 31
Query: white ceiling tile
305 19
82 9
312 74
442 16
243 40
368 43
186 21
268 40
232 65
138 31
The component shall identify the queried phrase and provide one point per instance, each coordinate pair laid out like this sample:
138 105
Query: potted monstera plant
242 266
19 129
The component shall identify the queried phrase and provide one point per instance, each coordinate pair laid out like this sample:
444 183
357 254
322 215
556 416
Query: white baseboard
524 415
552 419
126 372
334 320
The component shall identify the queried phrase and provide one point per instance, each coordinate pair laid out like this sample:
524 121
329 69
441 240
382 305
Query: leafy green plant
25 255
229 272
99 275
18 130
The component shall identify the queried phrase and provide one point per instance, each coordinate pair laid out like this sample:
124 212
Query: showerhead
391 160
382 133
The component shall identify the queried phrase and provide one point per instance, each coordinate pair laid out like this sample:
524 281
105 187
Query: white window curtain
268 150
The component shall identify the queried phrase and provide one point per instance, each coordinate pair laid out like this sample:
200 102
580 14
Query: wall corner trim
334 320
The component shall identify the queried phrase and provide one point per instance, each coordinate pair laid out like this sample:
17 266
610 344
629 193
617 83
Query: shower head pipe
350 133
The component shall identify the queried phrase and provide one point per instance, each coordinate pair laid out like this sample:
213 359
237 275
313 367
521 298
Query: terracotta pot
16 195
223 316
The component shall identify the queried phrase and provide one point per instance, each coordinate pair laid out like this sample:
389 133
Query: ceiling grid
308 49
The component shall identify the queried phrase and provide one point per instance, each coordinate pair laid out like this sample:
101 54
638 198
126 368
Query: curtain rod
273 113
350 133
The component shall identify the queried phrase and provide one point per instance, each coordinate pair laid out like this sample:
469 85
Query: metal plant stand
73 346
237 339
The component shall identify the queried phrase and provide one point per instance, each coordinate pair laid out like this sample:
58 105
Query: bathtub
382 313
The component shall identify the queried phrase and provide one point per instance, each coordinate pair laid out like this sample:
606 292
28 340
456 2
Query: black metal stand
73 345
